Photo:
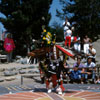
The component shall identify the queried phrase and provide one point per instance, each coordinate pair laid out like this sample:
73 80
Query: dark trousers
9 57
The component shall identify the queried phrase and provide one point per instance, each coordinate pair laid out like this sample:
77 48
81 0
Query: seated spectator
78 63
66 67
92 52
81 68
75 75
89 63
65 71
90 67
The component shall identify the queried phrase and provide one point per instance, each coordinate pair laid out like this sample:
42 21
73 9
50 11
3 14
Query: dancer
54 79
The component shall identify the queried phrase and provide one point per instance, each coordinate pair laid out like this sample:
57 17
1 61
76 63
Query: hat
90 57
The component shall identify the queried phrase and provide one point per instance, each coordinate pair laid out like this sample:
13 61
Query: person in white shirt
92 52
90 67
86 42
89 63
66 26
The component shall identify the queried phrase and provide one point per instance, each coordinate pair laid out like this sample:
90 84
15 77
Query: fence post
21 80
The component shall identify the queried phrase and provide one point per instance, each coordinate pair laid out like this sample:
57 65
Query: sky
55 5
1 26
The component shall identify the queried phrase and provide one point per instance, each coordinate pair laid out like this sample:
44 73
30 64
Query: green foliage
58 29
25 19
86 15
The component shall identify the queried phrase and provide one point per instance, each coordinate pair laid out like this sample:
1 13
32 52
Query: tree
25 19
58 29
86 15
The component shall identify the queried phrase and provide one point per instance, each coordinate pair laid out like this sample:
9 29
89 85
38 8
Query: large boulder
22 71
2 69
96 45
10 78
10 73
2 79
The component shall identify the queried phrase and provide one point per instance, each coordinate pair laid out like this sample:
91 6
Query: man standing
66 26
86 41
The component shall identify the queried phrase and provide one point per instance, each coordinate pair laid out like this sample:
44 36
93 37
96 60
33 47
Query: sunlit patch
73 98
44 98
65 98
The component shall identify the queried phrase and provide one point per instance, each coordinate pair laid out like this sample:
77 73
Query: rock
23 60
18 61
2 69
18 68
10 73
96 45
24 67
18 57
2 79
22 71
10 78
31 71
15 72
37 71
10 69
31 66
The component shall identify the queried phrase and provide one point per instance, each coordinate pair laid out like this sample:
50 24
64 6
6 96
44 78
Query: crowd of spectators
80 72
